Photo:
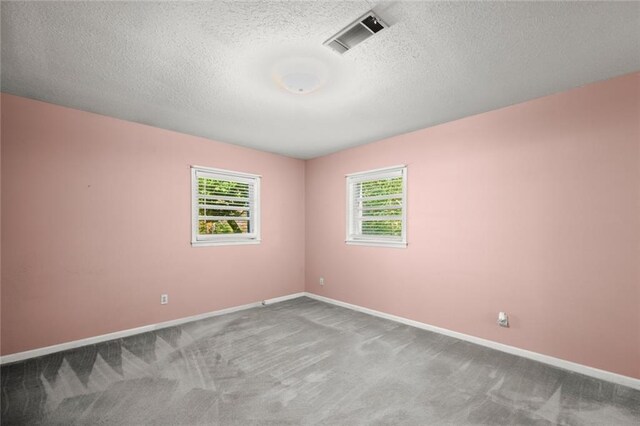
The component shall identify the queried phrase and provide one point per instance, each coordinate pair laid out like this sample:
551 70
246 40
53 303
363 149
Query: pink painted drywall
96 225
532 209
0 229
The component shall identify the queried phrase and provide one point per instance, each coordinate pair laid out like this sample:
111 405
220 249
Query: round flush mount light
300 83
300 75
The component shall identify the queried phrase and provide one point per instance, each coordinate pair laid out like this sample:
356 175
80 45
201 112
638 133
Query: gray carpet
302 362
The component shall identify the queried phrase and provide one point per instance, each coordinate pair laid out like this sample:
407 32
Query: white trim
377 243
546 359
224 243
405 204
198 240
226 172
21 356
353 238
382 169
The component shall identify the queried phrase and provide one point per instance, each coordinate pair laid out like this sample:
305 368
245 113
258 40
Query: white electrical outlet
164 299
321 281
503 319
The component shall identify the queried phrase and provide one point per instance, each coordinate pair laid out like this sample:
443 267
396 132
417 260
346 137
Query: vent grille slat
338 47
355 36
355 33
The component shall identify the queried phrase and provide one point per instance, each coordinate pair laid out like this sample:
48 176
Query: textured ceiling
205 68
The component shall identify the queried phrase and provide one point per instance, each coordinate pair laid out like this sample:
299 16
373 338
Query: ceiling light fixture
300 83
300 75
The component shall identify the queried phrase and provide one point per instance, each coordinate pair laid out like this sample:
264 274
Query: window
377 207
225 207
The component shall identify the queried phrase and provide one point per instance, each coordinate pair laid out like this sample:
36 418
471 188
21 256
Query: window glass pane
206 227
212 211
382 227
382 212
375 188
381 207
218 199
225 207
396 202
376 207
209 186
213 227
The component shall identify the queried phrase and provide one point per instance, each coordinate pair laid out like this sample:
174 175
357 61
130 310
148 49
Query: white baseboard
20 356
546 359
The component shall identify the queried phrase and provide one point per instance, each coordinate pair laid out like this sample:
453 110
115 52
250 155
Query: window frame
355 238
199 240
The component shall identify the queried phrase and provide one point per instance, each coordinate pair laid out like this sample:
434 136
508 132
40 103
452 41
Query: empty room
320 213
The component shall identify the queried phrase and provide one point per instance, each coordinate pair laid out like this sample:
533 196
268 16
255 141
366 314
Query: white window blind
225 207
376 207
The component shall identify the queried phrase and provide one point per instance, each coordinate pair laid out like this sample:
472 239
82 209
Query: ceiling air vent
355 33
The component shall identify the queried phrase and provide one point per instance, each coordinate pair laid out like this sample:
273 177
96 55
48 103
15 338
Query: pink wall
533 209
96 225
0 229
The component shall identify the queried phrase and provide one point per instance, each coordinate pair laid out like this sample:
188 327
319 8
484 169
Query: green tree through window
385 207
220 202
225 207
376 207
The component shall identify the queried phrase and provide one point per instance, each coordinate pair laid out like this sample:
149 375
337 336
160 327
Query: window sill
223 243
373 243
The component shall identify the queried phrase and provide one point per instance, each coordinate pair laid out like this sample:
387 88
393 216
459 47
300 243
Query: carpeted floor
302 362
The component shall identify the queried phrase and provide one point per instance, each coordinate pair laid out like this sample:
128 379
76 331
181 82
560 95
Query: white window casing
225 207
377 207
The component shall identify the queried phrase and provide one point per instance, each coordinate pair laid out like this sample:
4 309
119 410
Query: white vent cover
356 32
